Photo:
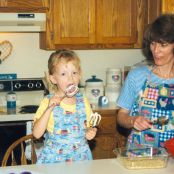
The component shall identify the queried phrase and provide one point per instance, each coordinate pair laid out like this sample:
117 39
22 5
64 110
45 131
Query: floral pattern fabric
67 142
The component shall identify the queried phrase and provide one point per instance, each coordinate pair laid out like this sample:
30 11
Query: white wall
27 60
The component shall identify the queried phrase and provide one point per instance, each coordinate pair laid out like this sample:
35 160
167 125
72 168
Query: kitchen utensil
71 90
94 119
5 50
161 120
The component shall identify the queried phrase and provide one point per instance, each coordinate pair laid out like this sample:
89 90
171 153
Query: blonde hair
59 56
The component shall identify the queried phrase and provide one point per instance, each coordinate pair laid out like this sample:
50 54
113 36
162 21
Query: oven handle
11 124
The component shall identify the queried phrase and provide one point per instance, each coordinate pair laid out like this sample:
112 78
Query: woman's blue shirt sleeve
132 87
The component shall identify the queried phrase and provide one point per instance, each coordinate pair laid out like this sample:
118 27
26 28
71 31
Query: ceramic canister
94 89
113 76
112 93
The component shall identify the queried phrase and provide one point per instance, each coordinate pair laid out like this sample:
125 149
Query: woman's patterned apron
67 142
154 101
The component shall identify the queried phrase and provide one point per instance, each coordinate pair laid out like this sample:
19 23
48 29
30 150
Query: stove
17 123
29 92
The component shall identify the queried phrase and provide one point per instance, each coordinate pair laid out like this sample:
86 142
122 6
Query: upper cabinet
147 11
92 24
167 6
86 24
115 22
74 22
23 5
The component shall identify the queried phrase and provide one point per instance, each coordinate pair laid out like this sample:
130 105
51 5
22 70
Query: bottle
11 102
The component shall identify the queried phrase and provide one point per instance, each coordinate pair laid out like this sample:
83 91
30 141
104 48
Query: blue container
11 100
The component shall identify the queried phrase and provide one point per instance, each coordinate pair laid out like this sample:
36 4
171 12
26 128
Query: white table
105 166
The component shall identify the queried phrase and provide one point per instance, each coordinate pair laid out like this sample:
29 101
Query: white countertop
105 166
16 117
5 117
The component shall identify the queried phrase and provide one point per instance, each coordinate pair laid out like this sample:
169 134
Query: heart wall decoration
5 50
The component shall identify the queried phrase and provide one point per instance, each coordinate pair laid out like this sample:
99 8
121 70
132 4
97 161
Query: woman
148 93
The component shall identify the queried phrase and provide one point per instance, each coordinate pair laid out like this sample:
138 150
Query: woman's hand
90 133
141 123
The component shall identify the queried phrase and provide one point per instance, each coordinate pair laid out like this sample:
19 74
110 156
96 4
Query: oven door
10 132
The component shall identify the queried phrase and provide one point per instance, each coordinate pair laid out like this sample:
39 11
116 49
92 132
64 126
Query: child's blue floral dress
67 142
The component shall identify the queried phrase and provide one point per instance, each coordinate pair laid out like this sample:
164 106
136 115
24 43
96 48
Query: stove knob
38 85
1 86
17 85
30 85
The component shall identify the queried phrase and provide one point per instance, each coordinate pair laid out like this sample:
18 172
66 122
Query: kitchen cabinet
92 24
23 5
167 6
147 11
98 24
108 136
87 24
116 21
105 141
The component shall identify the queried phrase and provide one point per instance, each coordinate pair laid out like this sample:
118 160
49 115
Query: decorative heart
95 92
5 50
115 78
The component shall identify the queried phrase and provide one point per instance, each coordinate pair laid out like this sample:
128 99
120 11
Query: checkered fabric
166 136
152 93
156 113
134 110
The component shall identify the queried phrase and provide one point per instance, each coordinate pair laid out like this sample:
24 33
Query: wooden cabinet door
74 22
167 6
23 3
147 11
104 147
116 21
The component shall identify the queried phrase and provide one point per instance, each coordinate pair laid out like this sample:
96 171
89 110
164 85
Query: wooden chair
20 143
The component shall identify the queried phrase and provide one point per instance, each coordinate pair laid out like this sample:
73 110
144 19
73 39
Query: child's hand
54 100
90 133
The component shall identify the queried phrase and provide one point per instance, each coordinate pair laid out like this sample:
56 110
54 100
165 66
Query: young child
64 119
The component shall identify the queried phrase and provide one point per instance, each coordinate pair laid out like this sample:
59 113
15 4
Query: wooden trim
25 9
